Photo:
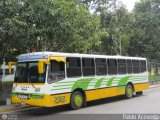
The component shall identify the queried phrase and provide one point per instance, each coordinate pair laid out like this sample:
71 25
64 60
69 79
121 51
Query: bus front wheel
77 100
129 91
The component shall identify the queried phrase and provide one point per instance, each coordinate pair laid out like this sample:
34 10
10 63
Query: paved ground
149 102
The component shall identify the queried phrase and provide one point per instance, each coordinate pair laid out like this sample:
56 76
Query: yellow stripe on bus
113 91
47 100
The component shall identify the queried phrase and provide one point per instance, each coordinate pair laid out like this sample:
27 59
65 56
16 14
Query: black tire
139 93
73 104
129 91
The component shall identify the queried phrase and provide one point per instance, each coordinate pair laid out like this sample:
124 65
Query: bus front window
56 71
27 72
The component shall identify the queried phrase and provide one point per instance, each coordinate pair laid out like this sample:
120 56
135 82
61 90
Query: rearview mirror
41 65
10 66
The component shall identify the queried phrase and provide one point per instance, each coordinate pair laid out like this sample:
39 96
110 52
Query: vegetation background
83 26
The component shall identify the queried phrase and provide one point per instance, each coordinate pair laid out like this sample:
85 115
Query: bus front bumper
44 100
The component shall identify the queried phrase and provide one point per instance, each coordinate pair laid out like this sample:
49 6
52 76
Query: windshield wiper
33 85
29 81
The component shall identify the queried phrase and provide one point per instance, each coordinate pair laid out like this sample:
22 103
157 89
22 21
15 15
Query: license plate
23 97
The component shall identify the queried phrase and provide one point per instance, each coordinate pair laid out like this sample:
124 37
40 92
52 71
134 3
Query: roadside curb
154 86
13 107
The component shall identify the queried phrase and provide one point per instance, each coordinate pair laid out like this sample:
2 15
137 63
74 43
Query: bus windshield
27 72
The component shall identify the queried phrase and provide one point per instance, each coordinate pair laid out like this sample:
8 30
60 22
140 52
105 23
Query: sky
130 4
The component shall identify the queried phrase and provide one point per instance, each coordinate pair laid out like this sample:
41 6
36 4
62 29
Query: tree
145 31
115 19
57 25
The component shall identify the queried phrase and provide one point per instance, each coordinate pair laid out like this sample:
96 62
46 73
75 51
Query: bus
6 77
52 79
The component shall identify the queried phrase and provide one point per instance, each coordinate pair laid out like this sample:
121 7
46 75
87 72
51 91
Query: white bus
6 77
52 79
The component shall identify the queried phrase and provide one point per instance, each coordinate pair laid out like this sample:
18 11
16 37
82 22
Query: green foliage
84 26
47 25
117 24
145 34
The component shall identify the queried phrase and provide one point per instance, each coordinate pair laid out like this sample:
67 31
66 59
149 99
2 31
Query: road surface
149 102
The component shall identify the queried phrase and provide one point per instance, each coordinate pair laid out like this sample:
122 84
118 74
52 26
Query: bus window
136 68
56 71
122 66
88 66
6 71
20 72
129 66
73 67
112 66
143 66
101 66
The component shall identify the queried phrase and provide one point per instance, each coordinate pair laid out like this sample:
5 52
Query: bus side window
88 66
122 66
112 66
73 67
143 66
56 71
129 66
7 71
101 66
136 67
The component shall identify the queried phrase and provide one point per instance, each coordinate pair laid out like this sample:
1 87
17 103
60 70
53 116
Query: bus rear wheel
77 100
129 91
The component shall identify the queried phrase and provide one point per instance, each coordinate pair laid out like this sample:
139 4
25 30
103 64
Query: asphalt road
149 102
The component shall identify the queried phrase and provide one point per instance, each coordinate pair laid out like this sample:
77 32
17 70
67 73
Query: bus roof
35 56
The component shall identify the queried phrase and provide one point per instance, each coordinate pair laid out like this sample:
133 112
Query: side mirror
10 66
41 65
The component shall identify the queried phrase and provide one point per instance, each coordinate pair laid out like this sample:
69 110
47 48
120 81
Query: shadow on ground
42 111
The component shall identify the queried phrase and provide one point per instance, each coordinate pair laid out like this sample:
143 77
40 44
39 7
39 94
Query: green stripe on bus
99 82
123 81
109 83
82 83
61 88
63 85
65 82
